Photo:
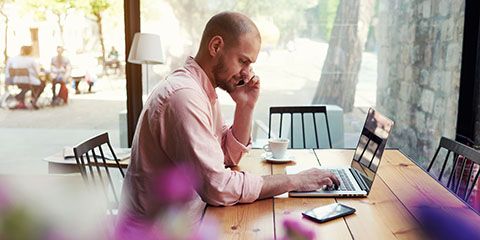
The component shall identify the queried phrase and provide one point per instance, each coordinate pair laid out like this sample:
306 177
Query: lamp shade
146 49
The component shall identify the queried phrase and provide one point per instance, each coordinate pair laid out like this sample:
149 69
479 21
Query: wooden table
387 213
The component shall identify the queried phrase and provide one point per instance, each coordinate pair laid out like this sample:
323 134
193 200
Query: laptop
357 180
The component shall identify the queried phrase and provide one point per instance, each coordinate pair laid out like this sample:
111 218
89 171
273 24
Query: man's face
233 63
59 50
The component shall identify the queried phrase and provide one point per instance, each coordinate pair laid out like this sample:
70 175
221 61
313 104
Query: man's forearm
242 124
276 184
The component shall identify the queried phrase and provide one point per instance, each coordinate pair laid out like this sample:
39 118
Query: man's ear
215 44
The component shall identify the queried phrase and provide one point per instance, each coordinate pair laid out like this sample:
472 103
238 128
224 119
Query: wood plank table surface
389 211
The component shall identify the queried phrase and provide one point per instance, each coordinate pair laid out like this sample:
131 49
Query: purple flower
129 227
54 234
296 230
437 223
175 185
5 201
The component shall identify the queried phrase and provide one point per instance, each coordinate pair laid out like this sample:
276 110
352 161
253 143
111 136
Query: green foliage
2 5
57 7
97 7
18 222
3 2
326 11
93 8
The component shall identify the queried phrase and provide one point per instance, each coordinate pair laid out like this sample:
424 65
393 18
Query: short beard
221 82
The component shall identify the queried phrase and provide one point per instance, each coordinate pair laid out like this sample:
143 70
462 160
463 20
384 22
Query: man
112 60
60 69
181 124
24 70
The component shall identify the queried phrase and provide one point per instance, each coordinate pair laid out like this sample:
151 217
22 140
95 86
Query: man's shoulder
182 79
181 87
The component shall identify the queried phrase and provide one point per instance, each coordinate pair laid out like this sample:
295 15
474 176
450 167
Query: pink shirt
181 123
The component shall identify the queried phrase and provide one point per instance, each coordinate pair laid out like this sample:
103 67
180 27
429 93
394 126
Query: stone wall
419 71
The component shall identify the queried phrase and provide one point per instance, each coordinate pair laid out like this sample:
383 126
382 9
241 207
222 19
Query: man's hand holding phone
247 90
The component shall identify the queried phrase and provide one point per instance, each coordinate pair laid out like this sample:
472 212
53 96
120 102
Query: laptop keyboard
345 183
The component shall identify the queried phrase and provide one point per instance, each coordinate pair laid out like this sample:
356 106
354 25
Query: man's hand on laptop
314 178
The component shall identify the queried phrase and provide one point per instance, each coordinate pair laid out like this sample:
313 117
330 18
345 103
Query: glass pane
76 95
419 62
400 57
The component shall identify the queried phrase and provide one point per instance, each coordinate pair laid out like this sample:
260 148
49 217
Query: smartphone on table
328 212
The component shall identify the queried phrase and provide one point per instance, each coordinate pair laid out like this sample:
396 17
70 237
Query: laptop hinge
359 179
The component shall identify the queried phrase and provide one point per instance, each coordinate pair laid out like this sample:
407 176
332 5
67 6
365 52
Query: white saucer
269 158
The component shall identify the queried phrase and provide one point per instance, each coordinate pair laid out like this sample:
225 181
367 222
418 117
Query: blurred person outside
84 66
113 55
112 60
24 71
181 123
60 69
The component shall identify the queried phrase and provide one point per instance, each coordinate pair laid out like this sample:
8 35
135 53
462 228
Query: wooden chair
36 90
300 111
18 72
93 166
13 72
465 162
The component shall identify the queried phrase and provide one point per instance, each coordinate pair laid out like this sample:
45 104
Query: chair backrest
18 72
93 165
300 111
463 169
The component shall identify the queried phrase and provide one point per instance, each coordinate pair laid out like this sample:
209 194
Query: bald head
230 26
230 43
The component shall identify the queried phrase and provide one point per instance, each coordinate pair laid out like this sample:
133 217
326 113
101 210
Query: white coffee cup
277 147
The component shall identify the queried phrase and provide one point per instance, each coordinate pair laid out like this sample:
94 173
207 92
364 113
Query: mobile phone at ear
328 212
241 83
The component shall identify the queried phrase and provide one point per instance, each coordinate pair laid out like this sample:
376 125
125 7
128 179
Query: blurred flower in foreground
175 185
30 208
5 200
438 224
172 190
295 230
131 228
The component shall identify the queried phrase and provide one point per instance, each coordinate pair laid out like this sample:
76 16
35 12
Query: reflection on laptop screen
371 145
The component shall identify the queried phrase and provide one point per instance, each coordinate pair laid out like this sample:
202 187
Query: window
401 57
89 36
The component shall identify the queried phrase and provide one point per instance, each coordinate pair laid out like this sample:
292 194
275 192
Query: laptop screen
370 146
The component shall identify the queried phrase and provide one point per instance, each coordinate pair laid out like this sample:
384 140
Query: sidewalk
27 136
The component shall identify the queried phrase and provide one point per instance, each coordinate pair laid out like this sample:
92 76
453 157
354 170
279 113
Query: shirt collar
199 75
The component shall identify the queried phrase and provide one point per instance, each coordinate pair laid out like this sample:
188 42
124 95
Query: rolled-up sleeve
231 187
188 120
233 149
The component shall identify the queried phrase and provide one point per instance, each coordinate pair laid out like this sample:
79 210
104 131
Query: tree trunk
60 27
5 55
100 35
340 71
34 41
